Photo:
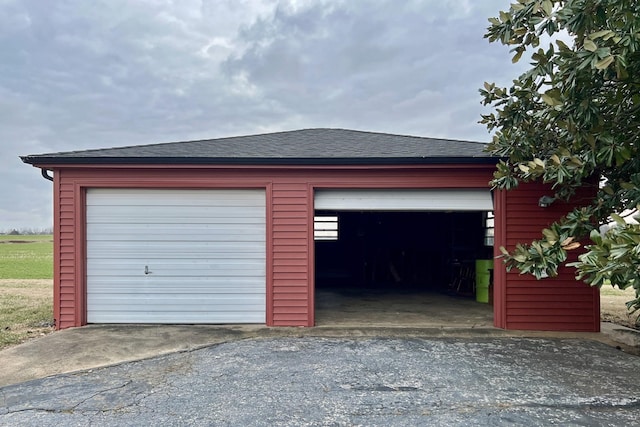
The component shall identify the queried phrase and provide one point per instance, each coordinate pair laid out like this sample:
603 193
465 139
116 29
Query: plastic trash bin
483 279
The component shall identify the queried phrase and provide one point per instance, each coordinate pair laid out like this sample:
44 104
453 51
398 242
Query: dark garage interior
400 250
422 262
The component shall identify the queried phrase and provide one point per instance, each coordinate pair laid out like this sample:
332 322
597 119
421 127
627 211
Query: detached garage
228 230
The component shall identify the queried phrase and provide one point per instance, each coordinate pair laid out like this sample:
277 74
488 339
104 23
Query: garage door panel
206 267
159 302
104 296
224 317
195 215
180 197
175 272
220 250
242 284
186 233
205 251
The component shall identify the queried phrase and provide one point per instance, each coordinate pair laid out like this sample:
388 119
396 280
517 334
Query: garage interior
389 268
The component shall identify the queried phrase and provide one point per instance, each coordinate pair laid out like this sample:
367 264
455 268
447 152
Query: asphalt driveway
338 381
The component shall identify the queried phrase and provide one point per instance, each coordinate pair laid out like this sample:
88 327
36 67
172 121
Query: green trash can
483 279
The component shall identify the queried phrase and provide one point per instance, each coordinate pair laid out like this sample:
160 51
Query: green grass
26 257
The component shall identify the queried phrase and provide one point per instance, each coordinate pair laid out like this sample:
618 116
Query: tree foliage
573 119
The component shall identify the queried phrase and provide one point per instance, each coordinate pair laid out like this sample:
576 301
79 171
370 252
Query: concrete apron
352 307
356 316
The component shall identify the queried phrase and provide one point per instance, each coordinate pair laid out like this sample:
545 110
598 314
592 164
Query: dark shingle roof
307 146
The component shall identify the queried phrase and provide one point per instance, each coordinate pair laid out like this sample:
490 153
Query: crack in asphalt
71 409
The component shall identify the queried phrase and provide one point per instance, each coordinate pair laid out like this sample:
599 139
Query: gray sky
79 74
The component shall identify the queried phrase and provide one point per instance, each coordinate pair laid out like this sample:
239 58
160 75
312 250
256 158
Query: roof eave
43 161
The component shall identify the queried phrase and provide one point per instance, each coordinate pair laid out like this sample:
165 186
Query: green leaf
520 258
627 185
517 56
562 46
602 33
618 219
590 45
550 235
595 237
604 62
550 98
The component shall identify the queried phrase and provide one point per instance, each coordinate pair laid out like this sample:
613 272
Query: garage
175 256
238 230
399 245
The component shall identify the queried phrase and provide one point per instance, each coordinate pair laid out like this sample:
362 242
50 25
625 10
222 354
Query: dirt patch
35 284
26 310
613 308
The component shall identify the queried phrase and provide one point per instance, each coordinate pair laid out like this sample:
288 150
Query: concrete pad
621 334
353 307
103 345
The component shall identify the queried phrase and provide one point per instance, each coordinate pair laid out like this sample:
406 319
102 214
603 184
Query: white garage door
176 256
404 200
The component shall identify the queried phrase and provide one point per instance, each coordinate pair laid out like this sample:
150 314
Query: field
26 257
26 294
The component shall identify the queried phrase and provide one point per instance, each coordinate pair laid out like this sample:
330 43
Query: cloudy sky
78 74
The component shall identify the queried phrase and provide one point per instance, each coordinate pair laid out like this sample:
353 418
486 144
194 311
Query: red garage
246 229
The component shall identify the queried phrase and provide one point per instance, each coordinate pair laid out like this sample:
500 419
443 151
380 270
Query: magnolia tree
573 119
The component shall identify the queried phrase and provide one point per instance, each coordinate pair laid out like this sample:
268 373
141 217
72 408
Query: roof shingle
307 146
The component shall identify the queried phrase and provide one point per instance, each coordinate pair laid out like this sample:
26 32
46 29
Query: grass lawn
26 257
26 289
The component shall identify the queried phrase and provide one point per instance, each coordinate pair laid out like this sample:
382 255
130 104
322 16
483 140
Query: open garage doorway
402 266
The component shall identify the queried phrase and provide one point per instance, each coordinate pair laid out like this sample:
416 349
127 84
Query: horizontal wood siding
291 254
560 303
289 214
65 295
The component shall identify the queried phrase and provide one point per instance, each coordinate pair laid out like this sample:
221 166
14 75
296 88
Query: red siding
560 303
65 295
519 302
291 284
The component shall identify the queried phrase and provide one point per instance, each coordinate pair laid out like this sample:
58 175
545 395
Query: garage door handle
146 269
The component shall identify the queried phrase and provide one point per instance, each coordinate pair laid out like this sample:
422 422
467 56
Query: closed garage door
175 256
